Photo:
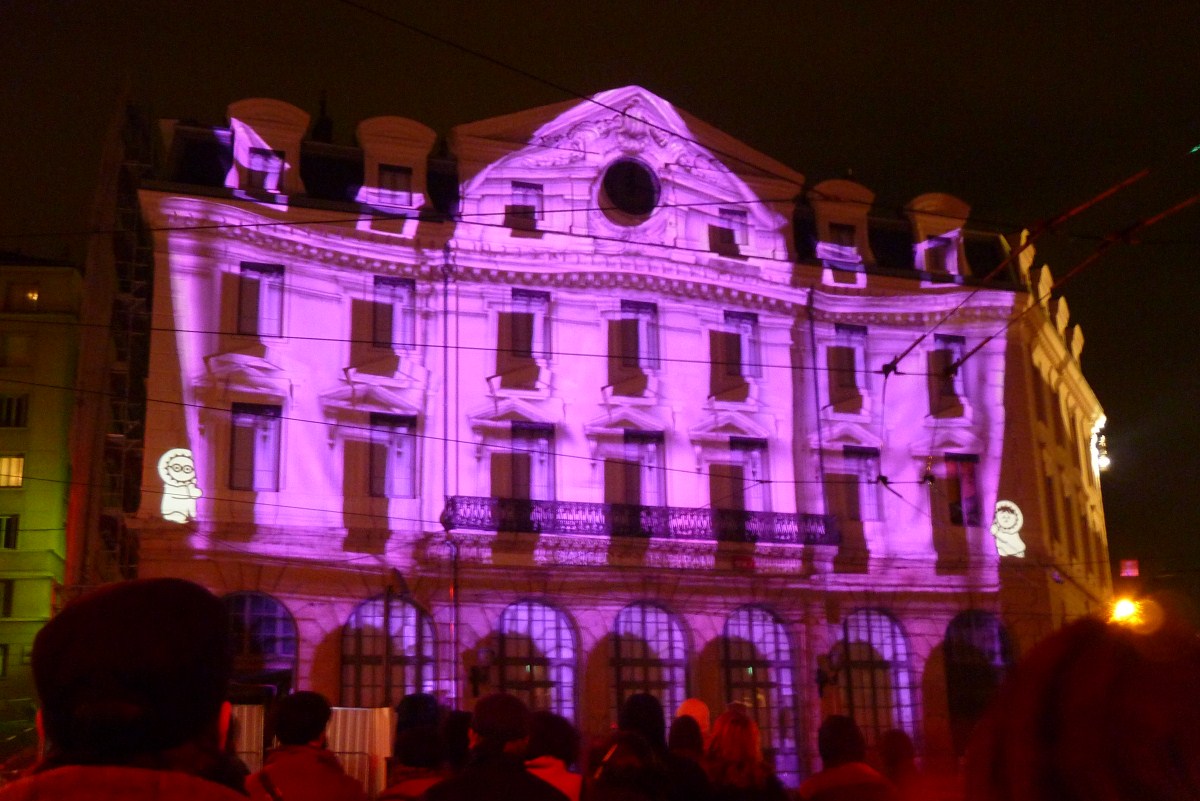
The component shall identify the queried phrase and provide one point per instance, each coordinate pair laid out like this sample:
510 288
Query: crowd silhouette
133 680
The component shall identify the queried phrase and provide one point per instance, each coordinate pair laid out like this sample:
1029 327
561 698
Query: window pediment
499 417
247 373
717 428
840 433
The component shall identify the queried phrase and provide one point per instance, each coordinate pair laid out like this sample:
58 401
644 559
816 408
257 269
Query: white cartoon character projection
180 492
1006 528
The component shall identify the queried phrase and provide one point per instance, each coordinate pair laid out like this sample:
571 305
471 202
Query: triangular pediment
720 426
248 373
622 419
840 433
498 417
360 398
952 438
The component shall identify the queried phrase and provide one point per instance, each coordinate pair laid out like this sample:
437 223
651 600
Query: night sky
1022 109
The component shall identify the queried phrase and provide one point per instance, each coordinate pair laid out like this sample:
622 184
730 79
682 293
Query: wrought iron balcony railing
646 522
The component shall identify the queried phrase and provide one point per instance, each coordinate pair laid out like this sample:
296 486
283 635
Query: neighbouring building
593 399
39 342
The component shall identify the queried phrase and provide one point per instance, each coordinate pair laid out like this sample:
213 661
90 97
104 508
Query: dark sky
1023 109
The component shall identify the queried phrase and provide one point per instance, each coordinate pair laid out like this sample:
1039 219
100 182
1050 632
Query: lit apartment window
264 169
632 347
393 463
395 183
254 447
12 470
394 312
22 297
14 411
852 492
731 234
7 589
15 350
522 337
844 360
962 489
945 389
526 209
260 299
10 527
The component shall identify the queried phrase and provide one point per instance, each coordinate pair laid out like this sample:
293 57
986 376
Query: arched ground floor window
387 652
536 658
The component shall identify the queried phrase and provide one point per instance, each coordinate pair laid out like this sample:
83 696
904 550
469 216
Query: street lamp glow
1126 612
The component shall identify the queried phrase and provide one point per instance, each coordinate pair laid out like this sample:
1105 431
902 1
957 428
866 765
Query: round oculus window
631 189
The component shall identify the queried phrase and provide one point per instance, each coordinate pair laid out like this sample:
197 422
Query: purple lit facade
597 406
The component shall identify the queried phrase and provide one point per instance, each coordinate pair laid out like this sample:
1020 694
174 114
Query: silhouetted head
685 737
1095 711
301 717
697 709
134 668
500 719
643 714
552 735
896 752
419 747
417 709
839 741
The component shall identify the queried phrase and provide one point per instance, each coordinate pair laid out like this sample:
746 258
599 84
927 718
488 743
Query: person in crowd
302 768
735 765
456 738
132 680
642 713
1096 711
418 763
845 775
686 739
553 751
628 769
698 710
499 736
898 756
417 709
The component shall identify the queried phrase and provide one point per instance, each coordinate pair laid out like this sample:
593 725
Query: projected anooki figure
180 492
1006 528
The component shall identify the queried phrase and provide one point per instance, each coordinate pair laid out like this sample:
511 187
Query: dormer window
937 254
731 235
525 210
395 184
264 169
842 235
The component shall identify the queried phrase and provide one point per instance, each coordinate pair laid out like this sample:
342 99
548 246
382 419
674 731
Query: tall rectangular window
393 323
944 386
260 299
393 456
852 492
12 470
526 470
10 528
7 590
842 234
523 337
937 254
962 489
735 356
3 660
255 447
525 211
843 360
635 476
632 347
264 169
14 411
395 184
745 325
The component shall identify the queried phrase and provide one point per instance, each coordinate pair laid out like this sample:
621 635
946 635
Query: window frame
265 420
14 411
648 640
964 506
8 478
556 653
264 169
260 299
406 656
10 532
248 638
886 655
388 178
393 313
392 466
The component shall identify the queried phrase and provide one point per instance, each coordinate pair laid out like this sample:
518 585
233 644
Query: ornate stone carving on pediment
246 372
496 418
719 426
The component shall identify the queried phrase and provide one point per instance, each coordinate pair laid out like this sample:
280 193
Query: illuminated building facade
594 402
39 340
